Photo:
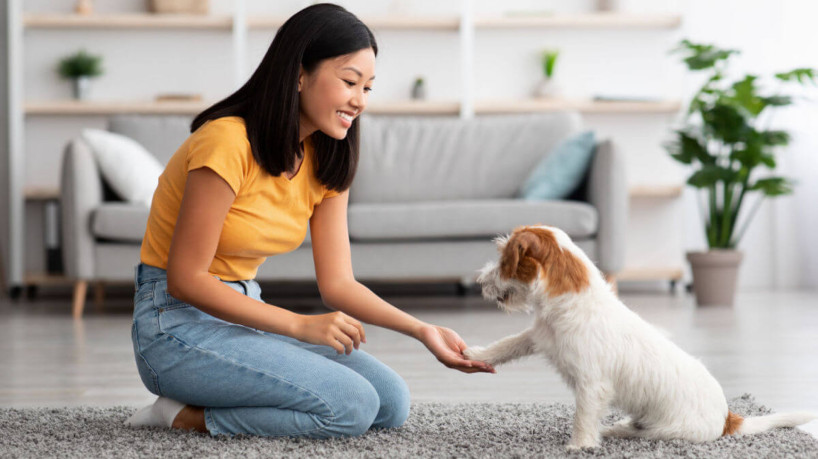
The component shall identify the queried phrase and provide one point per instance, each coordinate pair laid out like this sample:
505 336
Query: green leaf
687 148
710 174
775 138
744 94
702 56
726 123
773 186
801 75
777 101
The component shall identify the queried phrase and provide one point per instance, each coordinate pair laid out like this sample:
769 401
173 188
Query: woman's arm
206 201
340 291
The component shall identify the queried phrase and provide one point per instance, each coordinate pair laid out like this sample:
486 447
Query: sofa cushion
466 219
406 159
160 135
119 221
561 172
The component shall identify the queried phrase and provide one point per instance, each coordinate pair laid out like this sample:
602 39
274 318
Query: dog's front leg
592 403
507 349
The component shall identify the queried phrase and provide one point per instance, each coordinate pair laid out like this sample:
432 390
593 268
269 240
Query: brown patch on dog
732 424
530 249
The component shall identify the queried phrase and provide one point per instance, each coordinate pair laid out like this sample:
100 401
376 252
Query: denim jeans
254 382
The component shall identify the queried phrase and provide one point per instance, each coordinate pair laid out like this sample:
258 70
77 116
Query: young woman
259 166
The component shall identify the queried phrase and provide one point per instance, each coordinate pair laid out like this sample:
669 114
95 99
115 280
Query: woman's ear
300 78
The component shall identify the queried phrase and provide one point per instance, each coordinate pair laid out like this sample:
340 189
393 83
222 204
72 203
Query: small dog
606 353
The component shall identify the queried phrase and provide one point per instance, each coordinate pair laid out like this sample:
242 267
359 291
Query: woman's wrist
417 328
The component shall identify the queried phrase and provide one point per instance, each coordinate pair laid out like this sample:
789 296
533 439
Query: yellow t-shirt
269 216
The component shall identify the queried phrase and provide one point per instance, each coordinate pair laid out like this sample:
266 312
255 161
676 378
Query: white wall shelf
131 21
71 107
658 273
581 21
656 191
381 23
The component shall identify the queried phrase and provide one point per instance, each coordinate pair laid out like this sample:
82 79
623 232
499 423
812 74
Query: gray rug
433 430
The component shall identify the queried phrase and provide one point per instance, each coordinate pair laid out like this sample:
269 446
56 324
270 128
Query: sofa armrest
80 193
607 191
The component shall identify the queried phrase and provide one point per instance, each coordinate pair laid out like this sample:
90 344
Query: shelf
656 191
583 21
378 23
411 107
130 21
585 106
637 274
41 193
450 23
73 107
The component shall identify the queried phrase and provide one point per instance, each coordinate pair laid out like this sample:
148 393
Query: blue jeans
255 382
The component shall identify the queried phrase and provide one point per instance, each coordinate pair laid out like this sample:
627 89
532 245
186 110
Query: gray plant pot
82 86
714 276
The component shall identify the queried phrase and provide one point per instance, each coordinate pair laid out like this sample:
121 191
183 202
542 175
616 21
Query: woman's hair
269 101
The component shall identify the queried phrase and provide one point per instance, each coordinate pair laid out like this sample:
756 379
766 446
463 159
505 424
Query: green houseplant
79 68
546 86
733 158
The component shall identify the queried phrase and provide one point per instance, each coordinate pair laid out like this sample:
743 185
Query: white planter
547 87
82 87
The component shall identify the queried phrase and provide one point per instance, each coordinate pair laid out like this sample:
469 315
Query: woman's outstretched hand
335 329
448 347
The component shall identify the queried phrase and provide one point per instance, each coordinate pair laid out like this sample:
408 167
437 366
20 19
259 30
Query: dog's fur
605 352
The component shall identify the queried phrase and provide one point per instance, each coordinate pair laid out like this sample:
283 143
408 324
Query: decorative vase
547 87
84 7
715 273
419 90
81 85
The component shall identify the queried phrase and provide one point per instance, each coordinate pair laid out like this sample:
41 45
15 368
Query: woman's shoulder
225 130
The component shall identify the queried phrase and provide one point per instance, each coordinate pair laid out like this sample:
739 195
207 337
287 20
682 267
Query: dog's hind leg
624 428
592 404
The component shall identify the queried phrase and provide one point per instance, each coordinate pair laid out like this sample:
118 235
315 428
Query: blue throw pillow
562 170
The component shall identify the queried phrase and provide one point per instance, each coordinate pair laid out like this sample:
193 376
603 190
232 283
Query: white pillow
131 171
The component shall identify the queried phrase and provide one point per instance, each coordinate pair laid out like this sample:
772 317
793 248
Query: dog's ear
531 248
520 255
564 272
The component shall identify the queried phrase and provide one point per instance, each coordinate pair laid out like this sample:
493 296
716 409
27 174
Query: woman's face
335 93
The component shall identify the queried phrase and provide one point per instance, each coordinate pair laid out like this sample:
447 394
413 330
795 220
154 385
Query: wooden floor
766 345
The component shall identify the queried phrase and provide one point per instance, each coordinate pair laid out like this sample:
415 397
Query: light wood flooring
767 345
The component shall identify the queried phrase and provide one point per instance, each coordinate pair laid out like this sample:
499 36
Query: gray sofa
429 196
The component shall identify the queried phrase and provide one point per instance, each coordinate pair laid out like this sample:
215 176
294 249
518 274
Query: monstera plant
726 139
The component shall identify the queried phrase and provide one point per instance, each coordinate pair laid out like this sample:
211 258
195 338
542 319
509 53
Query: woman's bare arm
207 199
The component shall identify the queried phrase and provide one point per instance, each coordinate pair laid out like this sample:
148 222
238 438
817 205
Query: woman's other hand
448 347
336 330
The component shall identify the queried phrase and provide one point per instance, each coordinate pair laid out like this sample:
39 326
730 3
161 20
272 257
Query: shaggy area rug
433 430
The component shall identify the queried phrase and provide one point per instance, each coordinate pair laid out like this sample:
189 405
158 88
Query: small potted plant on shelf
547 87
80 68
733 160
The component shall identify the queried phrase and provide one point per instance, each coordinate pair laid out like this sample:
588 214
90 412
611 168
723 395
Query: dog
604 351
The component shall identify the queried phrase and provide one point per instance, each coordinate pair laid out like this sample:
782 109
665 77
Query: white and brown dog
606 353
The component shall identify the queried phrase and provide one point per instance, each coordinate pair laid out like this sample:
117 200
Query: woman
259 166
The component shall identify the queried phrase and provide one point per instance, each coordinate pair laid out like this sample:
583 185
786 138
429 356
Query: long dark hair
269 102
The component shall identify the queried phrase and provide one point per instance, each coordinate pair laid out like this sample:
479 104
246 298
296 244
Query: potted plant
80 68
547 87
733 159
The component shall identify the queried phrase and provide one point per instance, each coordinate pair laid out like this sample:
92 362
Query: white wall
141 64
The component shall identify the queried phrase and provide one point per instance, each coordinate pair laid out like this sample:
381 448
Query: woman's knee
354 413
394 403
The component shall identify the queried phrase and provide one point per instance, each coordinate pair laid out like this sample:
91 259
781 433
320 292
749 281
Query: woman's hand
448 347
336 330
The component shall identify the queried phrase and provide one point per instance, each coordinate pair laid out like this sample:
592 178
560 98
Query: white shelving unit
240 23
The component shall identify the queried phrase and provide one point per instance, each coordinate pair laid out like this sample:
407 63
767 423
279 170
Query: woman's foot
191 417
161 414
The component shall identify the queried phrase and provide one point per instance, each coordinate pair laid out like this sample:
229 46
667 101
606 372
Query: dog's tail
736 425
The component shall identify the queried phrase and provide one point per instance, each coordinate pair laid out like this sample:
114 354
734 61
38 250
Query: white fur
609 356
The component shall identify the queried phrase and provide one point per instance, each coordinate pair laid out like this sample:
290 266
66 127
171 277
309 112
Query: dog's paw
571 447
475 353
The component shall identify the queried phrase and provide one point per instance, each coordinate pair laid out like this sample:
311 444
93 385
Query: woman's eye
351 83
368 89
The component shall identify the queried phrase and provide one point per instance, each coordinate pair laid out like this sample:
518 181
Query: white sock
160 414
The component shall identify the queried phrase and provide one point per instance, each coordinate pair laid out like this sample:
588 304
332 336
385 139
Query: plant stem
753 211
711 228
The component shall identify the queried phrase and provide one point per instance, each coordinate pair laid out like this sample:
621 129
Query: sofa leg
78 303
611 279
99 296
